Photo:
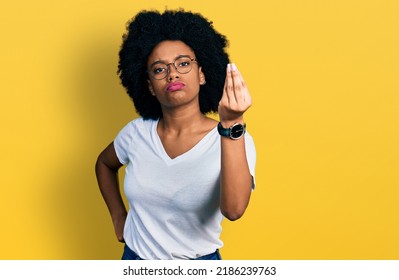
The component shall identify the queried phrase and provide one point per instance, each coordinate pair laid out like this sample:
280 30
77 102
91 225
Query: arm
236 180
107 167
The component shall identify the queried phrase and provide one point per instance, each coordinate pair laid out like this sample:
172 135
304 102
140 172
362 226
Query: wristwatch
236 131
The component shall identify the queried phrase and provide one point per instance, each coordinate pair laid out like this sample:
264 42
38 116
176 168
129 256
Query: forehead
167 51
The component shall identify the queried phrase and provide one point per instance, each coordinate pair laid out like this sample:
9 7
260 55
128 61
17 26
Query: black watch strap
236 131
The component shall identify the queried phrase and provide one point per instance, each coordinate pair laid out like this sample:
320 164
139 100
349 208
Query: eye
184 63
158 70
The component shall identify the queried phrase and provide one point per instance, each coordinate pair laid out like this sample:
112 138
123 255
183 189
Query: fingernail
228 68
233 67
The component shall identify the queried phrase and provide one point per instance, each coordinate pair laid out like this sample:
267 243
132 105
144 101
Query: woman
185 171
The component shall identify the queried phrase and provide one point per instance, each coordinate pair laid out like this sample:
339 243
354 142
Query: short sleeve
251 155
122 143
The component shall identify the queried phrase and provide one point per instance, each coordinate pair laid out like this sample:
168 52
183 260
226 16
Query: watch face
236 131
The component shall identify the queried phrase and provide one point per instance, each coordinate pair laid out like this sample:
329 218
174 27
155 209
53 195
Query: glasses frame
174 65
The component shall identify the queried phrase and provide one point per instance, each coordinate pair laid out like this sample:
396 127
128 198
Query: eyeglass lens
182 64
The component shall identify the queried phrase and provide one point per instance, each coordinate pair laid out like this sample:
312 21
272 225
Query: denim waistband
212 256
129 254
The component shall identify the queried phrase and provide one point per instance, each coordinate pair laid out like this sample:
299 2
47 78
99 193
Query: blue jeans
128 254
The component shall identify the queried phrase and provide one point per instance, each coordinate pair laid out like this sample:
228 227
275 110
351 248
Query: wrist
116 217
229 123
234 132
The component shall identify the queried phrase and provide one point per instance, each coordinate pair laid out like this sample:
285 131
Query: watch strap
223 131
227 132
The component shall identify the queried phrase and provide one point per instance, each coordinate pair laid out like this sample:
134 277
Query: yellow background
325 82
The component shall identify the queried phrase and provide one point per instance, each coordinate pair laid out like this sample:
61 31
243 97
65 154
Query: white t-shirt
173 203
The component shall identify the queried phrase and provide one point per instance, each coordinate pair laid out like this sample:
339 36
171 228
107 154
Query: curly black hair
149 28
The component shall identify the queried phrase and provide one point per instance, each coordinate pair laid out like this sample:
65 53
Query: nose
172 71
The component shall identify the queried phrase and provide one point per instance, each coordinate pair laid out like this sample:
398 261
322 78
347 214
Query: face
170 78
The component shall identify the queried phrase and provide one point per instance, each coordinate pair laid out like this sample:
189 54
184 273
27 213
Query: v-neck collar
164 155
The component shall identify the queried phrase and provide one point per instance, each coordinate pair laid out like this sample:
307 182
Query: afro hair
149 28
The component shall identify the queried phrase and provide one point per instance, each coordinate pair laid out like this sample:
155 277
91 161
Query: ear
150 88
201 76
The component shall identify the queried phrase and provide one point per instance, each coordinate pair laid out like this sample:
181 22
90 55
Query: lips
175 86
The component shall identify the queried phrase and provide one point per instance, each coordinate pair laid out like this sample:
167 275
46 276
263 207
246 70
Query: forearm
109 186
236 179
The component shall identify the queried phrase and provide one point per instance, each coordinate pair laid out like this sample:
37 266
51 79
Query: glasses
183 64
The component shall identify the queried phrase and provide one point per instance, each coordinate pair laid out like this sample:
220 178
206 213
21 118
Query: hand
236 98
119 226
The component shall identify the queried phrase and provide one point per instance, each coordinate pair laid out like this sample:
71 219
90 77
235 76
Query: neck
181 120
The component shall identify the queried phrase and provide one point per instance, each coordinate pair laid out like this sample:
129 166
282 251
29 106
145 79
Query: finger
238 84
228 90
241 89
231 90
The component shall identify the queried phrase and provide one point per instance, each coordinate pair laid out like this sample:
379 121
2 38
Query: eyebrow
164 62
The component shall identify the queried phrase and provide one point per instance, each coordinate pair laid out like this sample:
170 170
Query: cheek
195 79
156 86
